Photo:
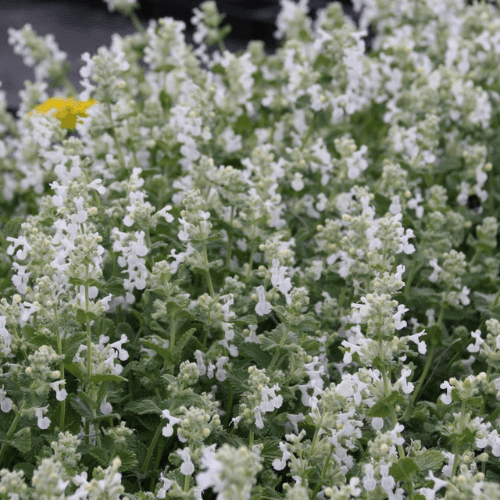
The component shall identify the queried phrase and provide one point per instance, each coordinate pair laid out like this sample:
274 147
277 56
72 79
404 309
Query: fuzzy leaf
82 316
71 344
181 342
107 377
383 407
429 460
128 458
404 469
164 353
74 369
100 454
22 440
143 407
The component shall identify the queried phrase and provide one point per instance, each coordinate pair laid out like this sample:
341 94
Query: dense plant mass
251 276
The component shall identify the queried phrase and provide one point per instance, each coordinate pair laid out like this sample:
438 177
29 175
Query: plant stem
11 431
137 23
410 279
229 402
250 261
323 472
277 353
209 279
427 366
455 446
87 321
173 326
387 392
61 369
115 140
151 448
230 241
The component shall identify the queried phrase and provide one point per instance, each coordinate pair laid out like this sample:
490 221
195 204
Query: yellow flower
67 110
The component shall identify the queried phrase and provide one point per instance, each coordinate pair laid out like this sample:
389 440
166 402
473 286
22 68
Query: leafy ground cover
251 276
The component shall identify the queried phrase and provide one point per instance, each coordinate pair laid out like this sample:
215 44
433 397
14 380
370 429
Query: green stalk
323 472
250 261
229 402
87 321
315 437
151 448
11 431
137 23
61 369
115 140
157 464
230 241
455 446
276 353
172 340
387 391
427 366
209 279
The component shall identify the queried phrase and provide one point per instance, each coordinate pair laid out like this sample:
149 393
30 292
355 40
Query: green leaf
100 455
128 458
143 407
80 407
74 369
429 460
384 407
181 343
82 316
164 353
434 333
113 286
71 344
493 416
107 377
12 228
404 469
22 440
82 282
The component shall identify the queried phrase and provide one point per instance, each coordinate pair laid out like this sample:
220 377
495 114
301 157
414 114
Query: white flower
5 402
211 477
378 423
269 405
446 399
422 346
398 323
263 307
281 464
479 341
60 394
43 422
122 353
168 430
407 386
167 484
187 467
369 481
105 407
435 275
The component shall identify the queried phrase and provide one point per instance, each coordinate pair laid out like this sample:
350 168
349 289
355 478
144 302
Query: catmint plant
250 275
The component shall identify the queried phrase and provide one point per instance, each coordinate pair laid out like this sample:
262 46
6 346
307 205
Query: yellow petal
67 110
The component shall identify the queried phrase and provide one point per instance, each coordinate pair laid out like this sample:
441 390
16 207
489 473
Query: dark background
85 25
